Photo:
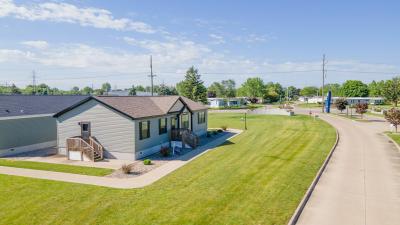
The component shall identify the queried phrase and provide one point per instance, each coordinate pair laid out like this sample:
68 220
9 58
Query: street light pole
245 120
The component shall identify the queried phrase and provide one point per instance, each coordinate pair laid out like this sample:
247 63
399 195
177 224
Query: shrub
126 169
147 162
341 104
164 151
224 127
214 132
208 134
220 131
361 108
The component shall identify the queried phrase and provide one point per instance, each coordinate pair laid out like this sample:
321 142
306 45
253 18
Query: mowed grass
394 136
92 171
258 177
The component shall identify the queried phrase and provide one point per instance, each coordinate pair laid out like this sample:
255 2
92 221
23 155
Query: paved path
134 182
361 184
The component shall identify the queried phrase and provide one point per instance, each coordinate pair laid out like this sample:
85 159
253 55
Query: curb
310 190
393 141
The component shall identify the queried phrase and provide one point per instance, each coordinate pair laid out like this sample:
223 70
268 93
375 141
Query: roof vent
7 111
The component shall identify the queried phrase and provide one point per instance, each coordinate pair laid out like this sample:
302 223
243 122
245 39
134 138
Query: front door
85 130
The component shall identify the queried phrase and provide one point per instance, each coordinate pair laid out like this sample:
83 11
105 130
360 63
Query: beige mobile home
128 127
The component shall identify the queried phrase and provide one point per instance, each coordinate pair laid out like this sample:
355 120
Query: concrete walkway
361 184
134 182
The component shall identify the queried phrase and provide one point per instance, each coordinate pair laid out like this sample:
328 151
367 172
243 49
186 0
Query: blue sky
84 43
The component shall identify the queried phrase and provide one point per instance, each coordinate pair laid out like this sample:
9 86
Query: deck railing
91 149
186 136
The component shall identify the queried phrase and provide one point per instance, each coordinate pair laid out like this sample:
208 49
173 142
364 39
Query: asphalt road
361 184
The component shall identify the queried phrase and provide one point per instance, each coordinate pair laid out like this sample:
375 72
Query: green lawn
258 177
394 136
92 171
309 105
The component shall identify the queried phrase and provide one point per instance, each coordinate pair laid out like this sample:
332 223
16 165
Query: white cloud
254 38
173 50
36 44
217 39
68 13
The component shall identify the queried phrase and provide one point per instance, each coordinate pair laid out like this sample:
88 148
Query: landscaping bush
214 132
208 134
164 151
126 169
147 162
220 131
224 127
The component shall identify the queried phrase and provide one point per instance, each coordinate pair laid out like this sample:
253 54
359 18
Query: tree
309 91
341 104
253 88
216 89
75 91
355 88
132 90
140 88
393 117
87 91
229 88
294 92
361 108
98 92
167 90
192 86
391 90
335 88
106 87
376 88
273 92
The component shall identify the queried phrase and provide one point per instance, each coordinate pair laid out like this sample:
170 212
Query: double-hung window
144 129
201 117
162 126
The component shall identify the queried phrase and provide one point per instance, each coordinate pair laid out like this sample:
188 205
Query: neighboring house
362 100
27 123
129 127
226 102
314 99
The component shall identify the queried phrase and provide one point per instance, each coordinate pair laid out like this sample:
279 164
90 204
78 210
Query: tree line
193 87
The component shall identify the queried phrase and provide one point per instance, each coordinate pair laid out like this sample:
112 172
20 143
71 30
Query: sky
86 43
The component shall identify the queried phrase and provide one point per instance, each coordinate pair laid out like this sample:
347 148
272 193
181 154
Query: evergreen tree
192 86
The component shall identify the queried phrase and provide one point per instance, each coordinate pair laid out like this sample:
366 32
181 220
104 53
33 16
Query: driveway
361 184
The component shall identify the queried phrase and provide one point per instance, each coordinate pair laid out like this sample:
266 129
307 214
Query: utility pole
323 81
151 75
34 81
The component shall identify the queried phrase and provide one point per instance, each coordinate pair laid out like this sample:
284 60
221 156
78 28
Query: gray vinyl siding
155 138
177 106
199 129
26 131
112 129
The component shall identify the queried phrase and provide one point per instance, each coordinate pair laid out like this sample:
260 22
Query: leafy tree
216 89
98 92
335 88
87 91
106 87
229 88
132 90
140 88
361 108
391 90
293 92
341 104
75 91
376 88
273 91
355 88
253 88
309 91
192 86
167 90
393 117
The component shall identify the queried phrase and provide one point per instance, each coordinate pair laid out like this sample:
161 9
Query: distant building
226 102
362 100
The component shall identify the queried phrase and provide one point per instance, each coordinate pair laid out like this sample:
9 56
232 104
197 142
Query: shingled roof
29 105
141 106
